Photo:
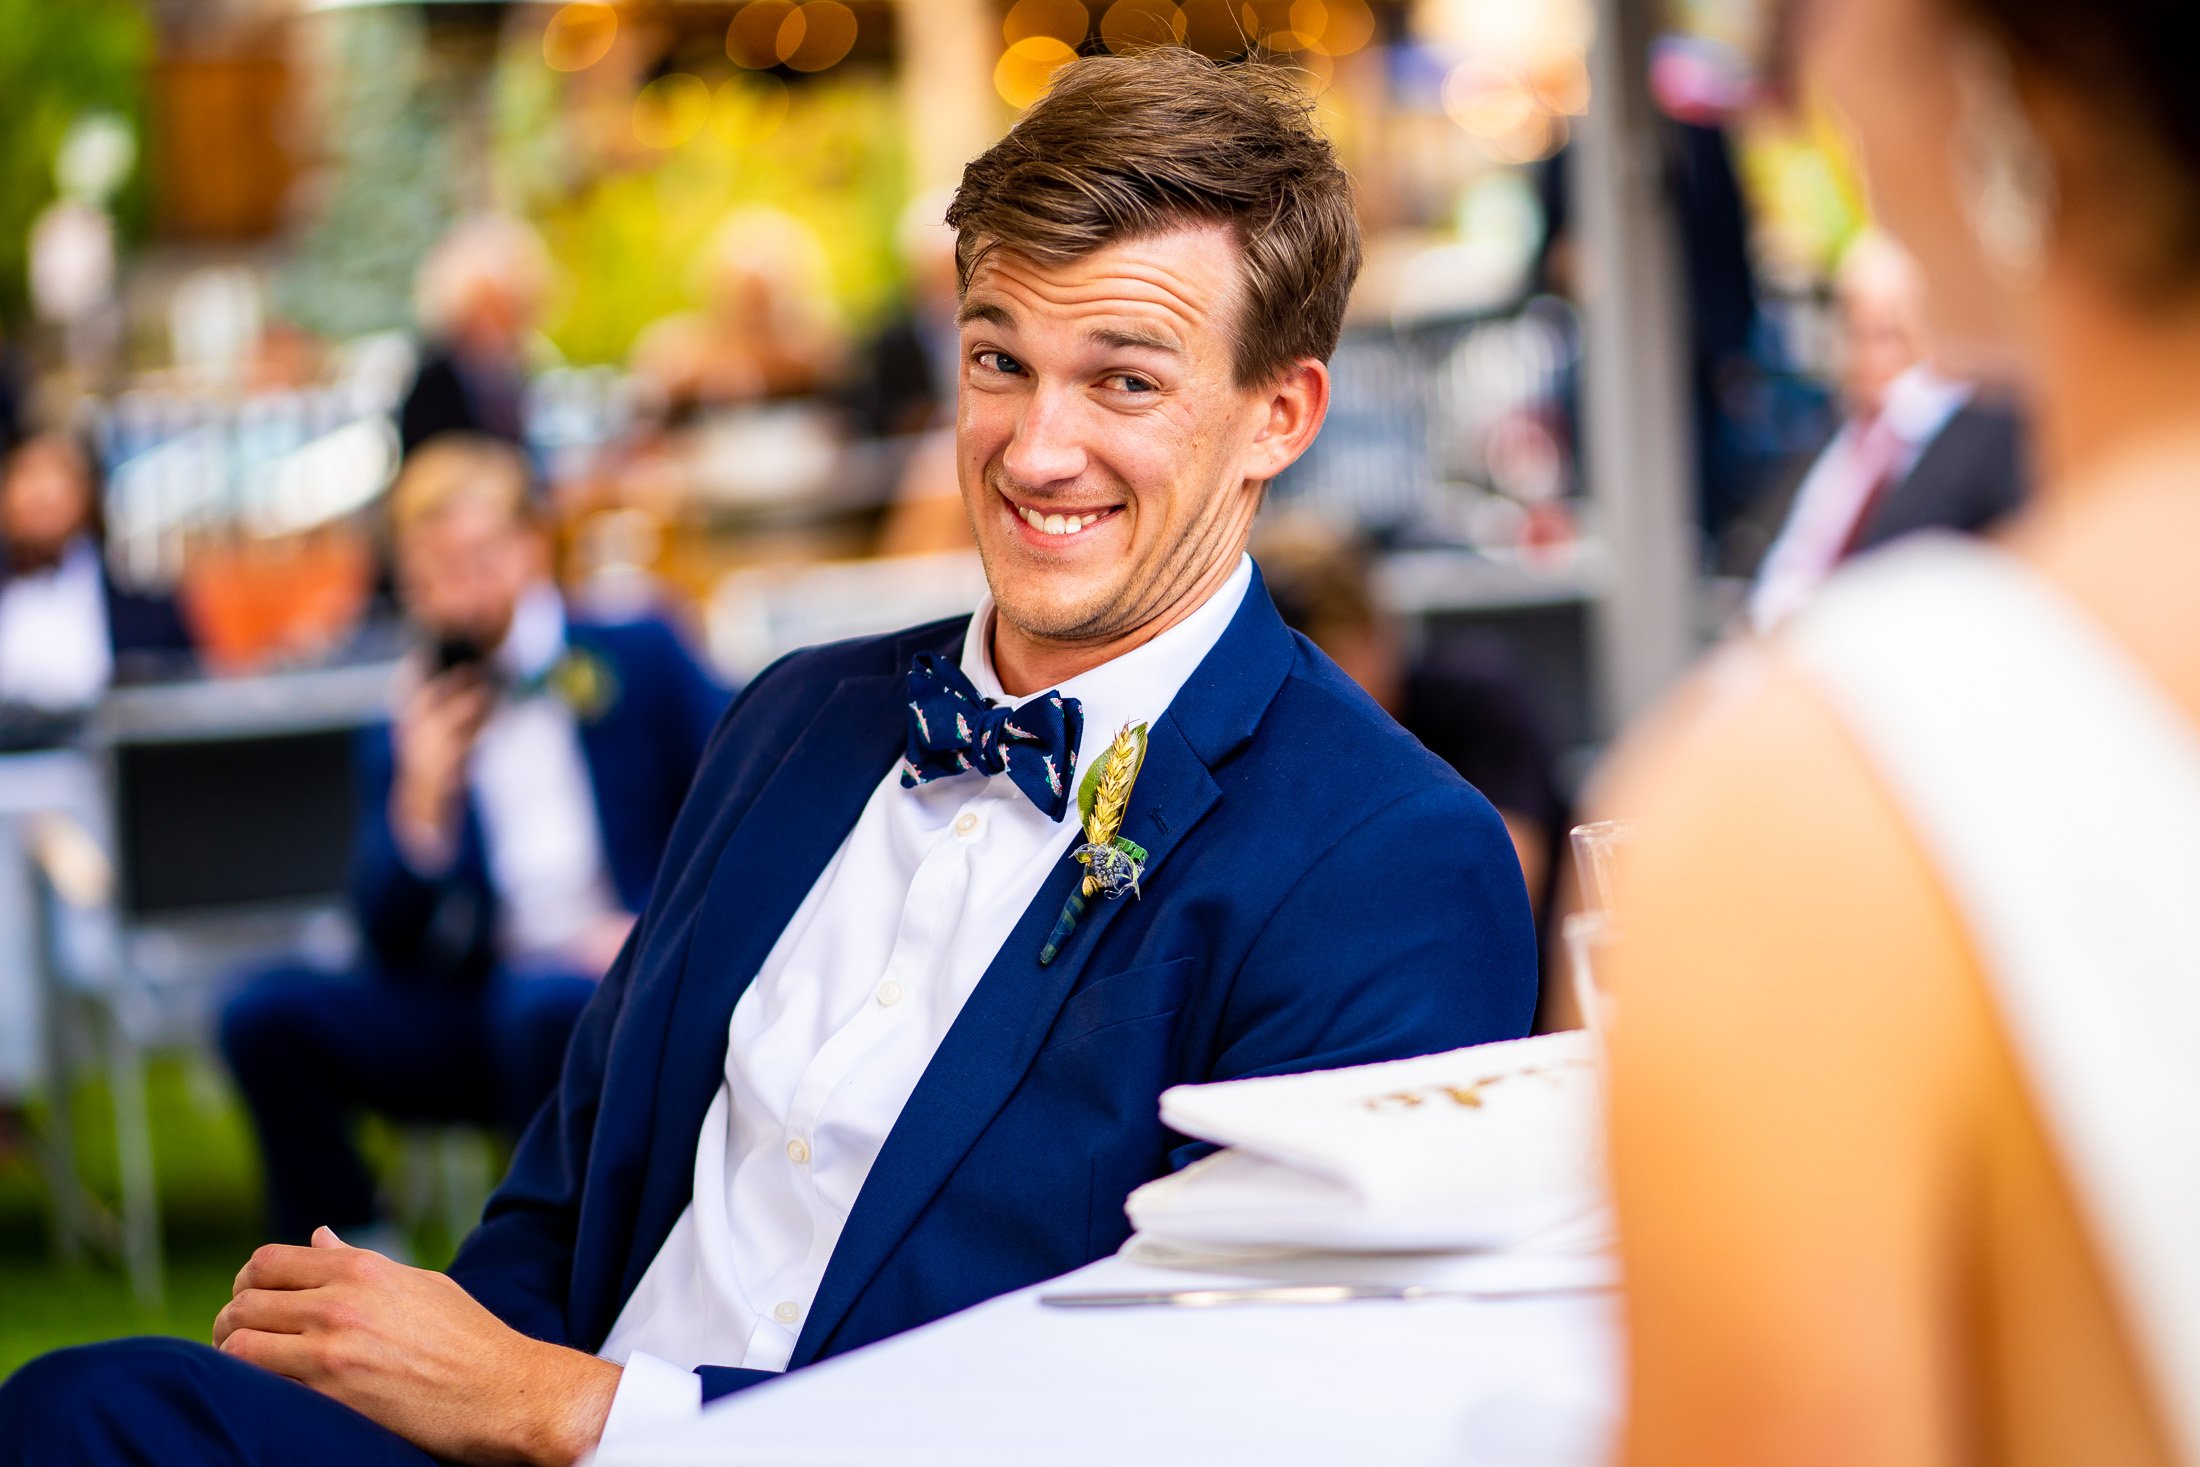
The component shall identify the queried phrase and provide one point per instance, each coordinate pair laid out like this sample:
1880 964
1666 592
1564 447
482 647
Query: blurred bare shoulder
1797 1040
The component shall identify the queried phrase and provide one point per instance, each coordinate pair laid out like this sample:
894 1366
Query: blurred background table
1531 1381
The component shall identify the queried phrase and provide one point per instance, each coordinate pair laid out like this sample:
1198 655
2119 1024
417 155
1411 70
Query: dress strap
2057 791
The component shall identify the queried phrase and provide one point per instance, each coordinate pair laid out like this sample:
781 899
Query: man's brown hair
1123 147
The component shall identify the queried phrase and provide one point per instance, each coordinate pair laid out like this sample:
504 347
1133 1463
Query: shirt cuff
653 1395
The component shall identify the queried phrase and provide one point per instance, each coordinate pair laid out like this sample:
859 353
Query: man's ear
1295 404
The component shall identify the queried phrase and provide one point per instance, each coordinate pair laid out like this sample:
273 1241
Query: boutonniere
1113 862
584 682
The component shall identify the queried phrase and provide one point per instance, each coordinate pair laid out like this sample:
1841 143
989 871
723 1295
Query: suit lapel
768 864
998 1033
993 1041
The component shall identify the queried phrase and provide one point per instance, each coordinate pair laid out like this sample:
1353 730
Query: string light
579 35
1025 68
1066 21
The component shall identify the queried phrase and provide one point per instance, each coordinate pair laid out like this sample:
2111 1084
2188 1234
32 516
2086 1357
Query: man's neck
1028 664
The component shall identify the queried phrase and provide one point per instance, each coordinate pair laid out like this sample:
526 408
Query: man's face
1110 462
462 570
1881 339
47 497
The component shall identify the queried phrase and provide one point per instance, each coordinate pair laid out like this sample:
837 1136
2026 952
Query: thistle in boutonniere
1113 862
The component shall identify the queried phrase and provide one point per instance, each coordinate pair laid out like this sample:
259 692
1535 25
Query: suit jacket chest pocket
1110 1006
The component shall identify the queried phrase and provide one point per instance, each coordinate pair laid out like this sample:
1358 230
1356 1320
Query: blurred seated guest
514 815
1465 703
908 383
765 330
915 362
1916 450
479 295
65 626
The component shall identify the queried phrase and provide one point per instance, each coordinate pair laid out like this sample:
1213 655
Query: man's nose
1046 447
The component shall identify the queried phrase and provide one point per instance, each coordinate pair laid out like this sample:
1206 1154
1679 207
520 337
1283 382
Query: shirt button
786 1311
966 823
889 993
798 1151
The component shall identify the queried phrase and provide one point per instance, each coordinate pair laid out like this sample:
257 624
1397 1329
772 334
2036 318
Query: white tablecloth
1522 1382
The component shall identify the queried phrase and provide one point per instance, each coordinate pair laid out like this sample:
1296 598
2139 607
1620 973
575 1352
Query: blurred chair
231 806
761 613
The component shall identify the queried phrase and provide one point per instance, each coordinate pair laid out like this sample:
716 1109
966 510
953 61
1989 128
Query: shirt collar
1136 687
536 637
1920 402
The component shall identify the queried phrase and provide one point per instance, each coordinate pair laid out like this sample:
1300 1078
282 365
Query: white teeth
1055 524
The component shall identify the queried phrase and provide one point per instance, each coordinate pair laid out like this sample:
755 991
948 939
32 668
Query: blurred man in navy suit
513 815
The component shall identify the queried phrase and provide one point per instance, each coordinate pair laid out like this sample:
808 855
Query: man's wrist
564 1403
424 834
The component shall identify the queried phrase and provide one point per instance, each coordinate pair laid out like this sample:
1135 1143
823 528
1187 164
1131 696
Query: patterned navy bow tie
954 731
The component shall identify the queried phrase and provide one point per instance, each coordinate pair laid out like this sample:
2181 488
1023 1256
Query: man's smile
1056 525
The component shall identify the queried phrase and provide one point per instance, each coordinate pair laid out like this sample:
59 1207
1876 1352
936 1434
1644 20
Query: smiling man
890 1037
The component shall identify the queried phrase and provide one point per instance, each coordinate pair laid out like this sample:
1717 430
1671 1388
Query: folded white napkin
1494 1147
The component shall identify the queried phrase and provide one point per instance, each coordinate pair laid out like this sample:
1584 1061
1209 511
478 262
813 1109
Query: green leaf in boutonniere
584 682
1113 862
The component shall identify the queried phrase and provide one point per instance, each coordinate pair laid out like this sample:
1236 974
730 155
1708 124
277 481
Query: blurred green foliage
389 179
59 59
628 238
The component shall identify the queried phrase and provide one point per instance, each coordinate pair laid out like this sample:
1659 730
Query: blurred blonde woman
1906 1003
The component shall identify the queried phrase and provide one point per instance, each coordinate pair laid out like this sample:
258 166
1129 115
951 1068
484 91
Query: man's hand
413 1351
435 732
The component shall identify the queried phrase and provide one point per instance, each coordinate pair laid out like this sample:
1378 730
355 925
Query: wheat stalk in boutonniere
1112 861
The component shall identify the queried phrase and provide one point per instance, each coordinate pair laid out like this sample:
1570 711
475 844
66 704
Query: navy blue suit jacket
641 749
1320 891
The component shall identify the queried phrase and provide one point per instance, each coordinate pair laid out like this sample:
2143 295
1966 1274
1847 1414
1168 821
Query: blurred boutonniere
1113 862
584 682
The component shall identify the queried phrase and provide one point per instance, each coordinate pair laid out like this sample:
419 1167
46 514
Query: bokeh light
748 110
1488 100
1067 21
579 35
818 35
1561 83
752 37
1333 27
1140 25
671 110
1026 67
1533 138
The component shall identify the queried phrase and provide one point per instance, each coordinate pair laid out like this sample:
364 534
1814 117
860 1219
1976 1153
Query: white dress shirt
55 651
846 1012
530 784
1838 490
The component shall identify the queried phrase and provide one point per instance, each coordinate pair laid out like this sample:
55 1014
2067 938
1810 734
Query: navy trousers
173 1403
310 1050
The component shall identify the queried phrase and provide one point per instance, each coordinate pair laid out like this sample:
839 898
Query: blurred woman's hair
2132 61
486 252
452 469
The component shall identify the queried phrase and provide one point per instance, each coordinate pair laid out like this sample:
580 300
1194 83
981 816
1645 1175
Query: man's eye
1126 382
998 361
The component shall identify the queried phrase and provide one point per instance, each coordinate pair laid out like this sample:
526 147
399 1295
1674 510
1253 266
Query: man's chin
1055 620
